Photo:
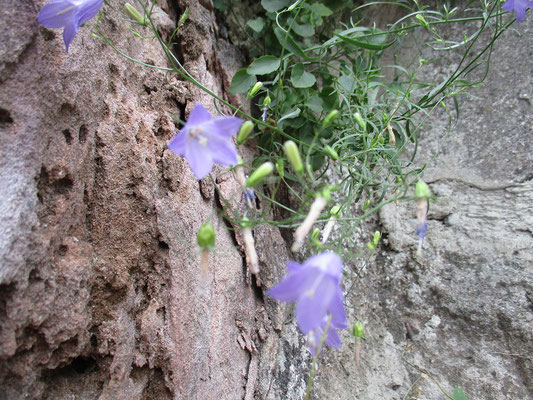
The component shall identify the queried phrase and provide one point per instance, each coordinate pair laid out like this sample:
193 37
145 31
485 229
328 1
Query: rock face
100 291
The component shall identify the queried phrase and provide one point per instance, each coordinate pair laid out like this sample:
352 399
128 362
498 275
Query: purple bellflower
315 287
518 7
204 141
68 14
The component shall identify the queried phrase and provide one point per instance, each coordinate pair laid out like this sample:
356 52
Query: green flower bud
267 101
377 236
206 236
259 174
366 205
183 18
293 155
326 193
293 6
253 91
422 190
330 117
358 330
335 211
134 14
371 246
280 168
422 20
330 151
245 223
244 132
360 121
315 234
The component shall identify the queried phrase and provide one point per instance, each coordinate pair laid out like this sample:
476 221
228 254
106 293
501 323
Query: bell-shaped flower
518 7
68 14
204 141
315 287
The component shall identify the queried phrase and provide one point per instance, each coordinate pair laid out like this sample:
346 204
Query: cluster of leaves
321 56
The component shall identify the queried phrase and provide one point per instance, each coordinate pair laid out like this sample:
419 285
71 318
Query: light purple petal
328 262
293 266
199 159
222 150
333 339
312 305
178 143
227 126
293 285
68 34
48 16
336 308
88 10
199 115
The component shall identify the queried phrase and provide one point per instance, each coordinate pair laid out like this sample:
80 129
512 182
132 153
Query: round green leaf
241 82
257 24
274 5
300 78
264 65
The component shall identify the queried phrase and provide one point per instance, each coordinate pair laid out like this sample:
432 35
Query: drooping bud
392 138
267 101
244 132
184 17
134 14
375 240
206 236
422 190
255 88
334 213
330 118
360 121
330 151
314 212
366 205
259 174
422 20
252 260
293 5
293 155
358 330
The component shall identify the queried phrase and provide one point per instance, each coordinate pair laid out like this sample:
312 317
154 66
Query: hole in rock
68 136
5 117
82 136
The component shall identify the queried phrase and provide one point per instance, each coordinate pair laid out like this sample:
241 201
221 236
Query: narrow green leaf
300 78
365 43
264 65
241 82
290 44
257 24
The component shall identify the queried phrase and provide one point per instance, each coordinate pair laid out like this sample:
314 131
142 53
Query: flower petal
333 339
68 34
88 10
227 126
312 307
222 150
336 308
328 262
199 115
178 143
56 14
293 285
199 159
293 266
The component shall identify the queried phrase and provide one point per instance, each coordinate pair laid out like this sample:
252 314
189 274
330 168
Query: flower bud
330 117
377 236
184 17
366 205
315 234
335 211
358 330
422 190
206 236
422 20
293 155
280 168
267 101
134 14
259 174
253 91
330 151
360 121
244 132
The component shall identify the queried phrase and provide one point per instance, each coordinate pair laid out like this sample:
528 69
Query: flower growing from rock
315 287
68 14
204 141
518 7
